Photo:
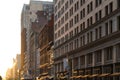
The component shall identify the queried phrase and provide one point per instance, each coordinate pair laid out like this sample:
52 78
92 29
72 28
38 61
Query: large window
118 51
75 66
98 2
82 2
109 53
106 28
118 3
118 22
111 7
89 7
110 26
82 60
98 56
89 59
106 10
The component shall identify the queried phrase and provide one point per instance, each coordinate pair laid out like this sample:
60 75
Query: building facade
46 50
29 50
86 39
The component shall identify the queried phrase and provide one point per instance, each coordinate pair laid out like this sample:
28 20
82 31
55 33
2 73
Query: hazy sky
10 14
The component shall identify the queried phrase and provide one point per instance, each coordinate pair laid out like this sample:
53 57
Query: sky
10 25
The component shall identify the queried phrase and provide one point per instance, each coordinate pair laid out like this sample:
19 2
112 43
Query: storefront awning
85 76
115 74
94 75
79 76
103 75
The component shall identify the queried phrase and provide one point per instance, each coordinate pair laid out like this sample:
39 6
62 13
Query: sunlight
5 64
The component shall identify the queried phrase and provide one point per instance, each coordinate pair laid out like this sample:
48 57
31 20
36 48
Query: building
44 28
16 67
25 23
29 49
86 39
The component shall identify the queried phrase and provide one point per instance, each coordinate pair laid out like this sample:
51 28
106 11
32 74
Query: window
118 51
66 26
62 1
71 34
96 17
82 60
82 2
100 14
55 17
76 18
71 46
66 37
55 27
66 5
58 23
96 33
83 25
91 36
106 10
106 28
71 23
88 38
62 10
111 7
62 20
84 12
89 7
108 53
118 22
98 2
98 56
75 63
76 30
91 21
110 26
118 3
81 14
88 23
66 16
83 40
66 48
71 1
89 58
62 39
76 6
71 11
55 8
76 43
100 32
62 30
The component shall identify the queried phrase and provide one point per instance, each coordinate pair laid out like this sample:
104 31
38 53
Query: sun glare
4 66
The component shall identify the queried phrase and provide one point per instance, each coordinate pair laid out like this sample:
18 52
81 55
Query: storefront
116 74
107 71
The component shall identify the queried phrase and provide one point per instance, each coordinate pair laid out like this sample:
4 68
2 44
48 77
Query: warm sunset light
60 40
10 25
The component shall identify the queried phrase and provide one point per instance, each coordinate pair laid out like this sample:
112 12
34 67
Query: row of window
98 16
76 5
96 57
97 33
